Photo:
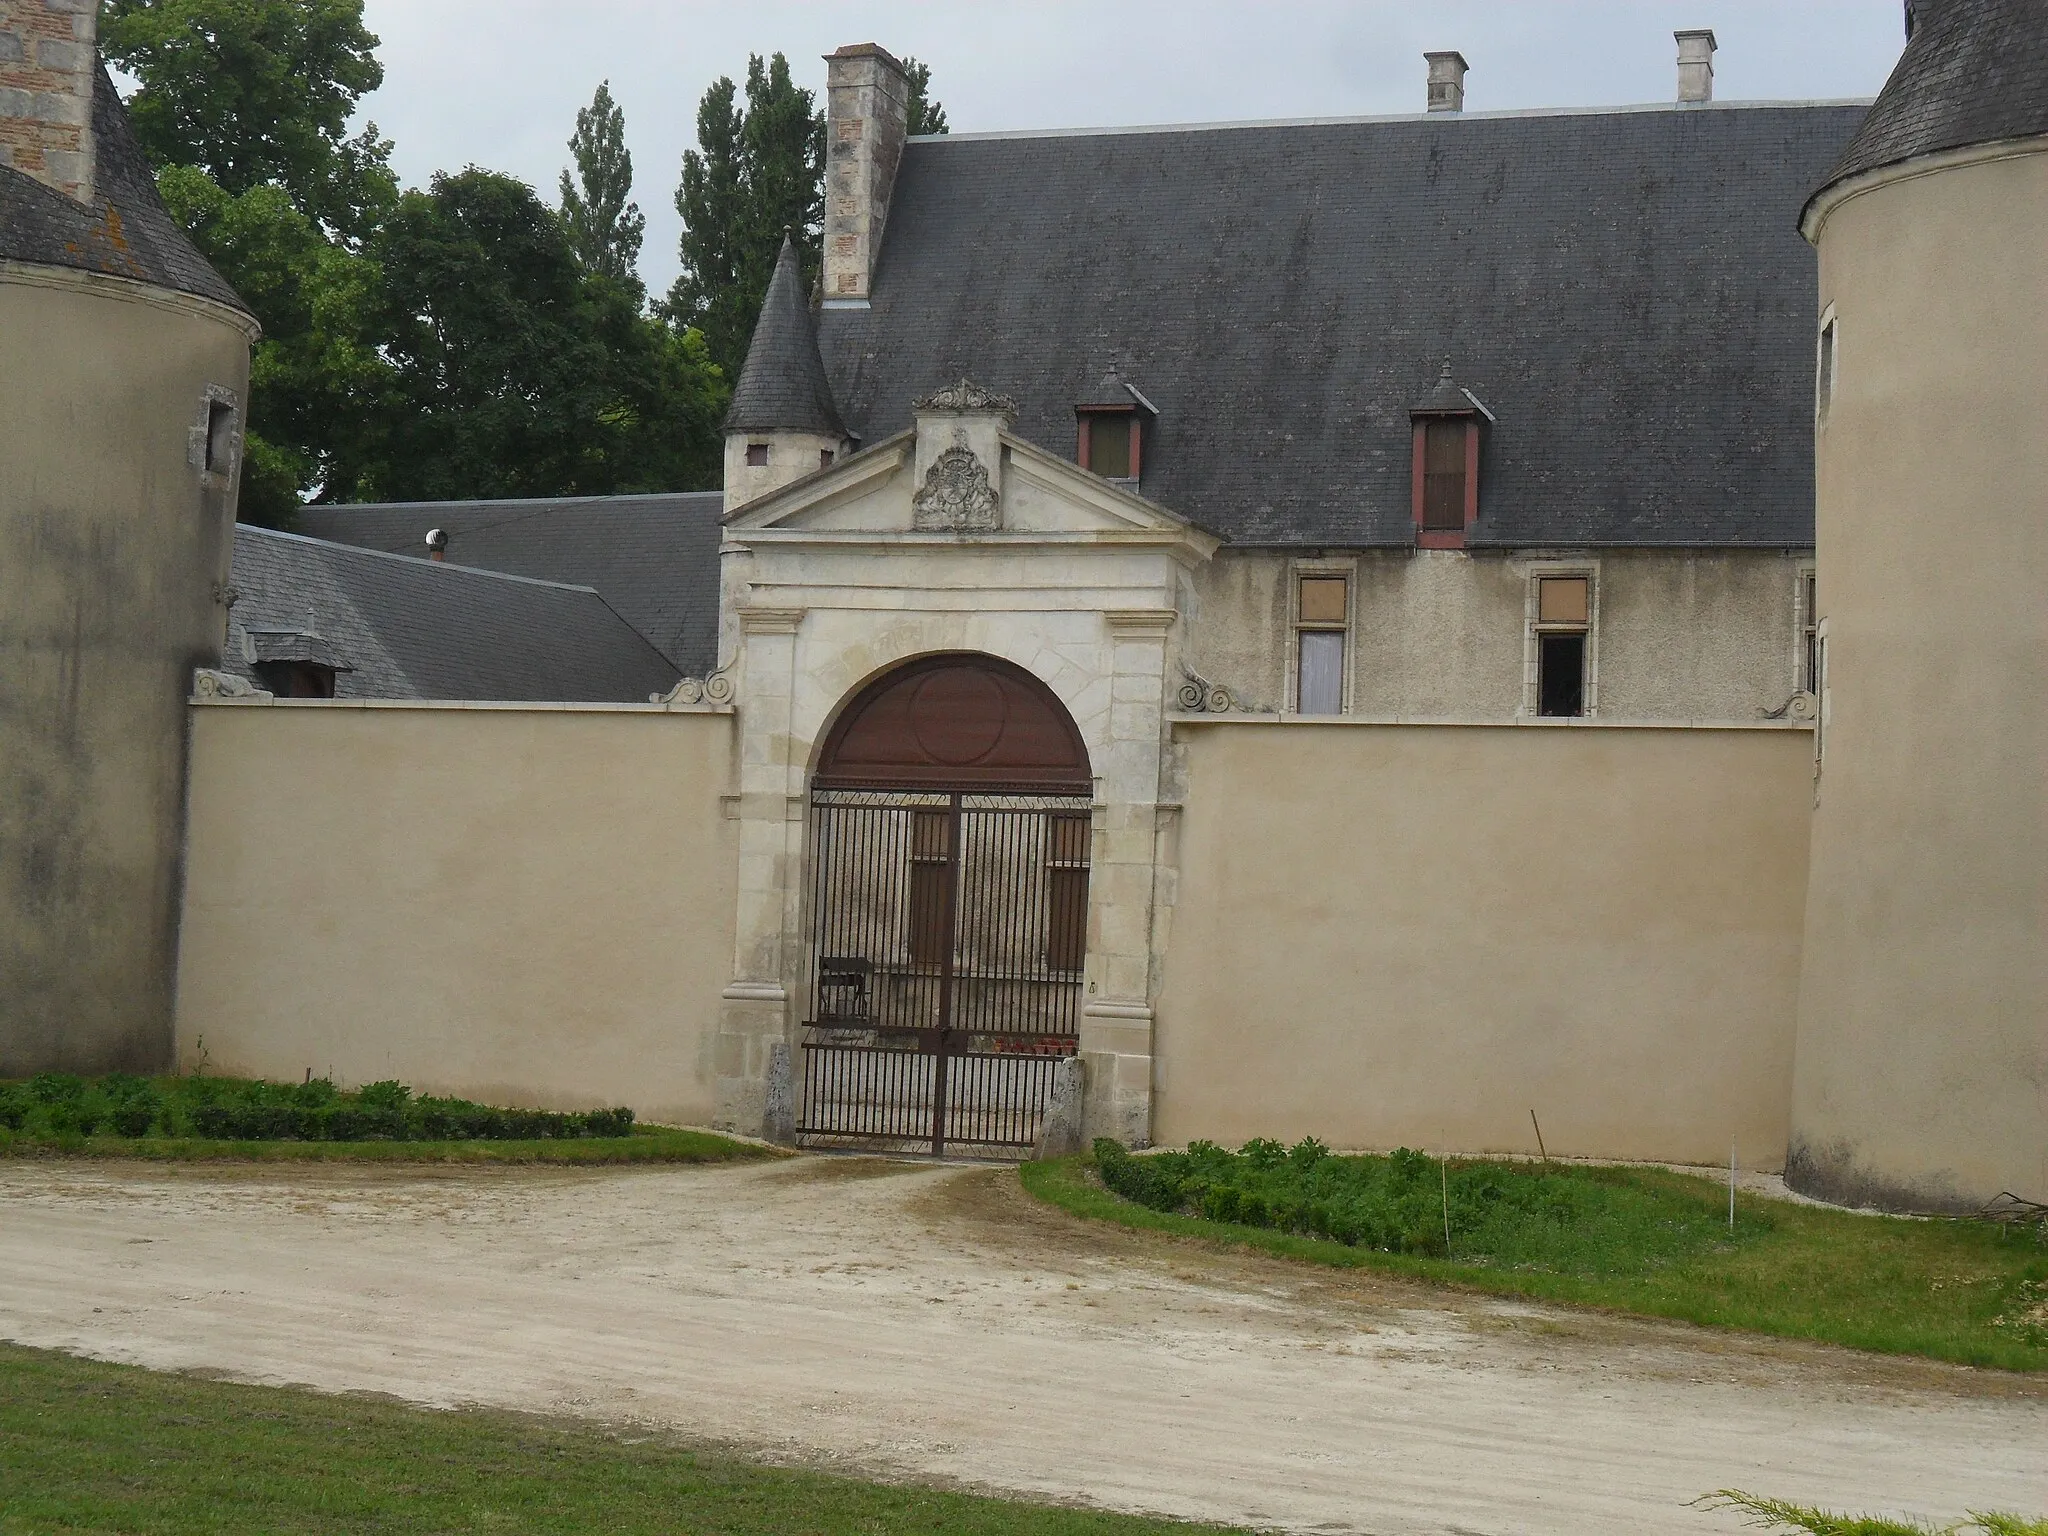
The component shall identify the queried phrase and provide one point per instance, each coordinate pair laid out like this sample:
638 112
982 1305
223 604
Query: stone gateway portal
950 830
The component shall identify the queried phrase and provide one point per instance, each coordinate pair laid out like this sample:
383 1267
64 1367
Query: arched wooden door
950 834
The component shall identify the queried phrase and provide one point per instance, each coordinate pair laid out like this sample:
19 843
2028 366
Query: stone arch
956 720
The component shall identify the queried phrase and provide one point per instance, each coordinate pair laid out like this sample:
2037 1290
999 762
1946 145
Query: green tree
605 226
925 115
259 93
513 371
758 171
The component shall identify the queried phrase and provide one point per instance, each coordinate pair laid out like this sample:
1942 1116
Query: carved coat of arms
956 496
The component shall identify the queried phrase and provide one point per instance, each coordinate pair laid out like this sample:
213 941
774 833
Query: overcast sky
497 83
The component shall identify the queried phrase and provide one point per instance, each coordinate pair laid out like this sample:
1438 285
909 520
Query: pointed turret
783 423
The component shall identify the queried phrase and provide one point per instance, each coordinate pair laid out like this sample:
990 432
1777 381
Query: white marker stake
1731 1184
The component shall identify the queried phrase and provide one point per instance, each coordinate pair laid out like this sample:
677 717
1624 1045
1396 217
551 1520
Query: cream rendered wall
526 906
1922 1074
113 563
1682 634
1414 935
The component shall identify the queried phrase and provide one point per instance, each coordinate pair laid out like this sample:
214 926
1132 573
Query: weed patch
1640 1240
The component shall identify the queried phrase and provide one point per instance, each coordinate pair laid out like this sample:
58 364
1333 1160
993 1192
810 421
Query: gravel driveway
935 1322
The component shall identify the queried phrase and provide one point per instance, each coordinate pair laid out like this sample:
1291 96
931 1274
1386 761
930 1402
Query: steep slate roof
125 232
782 387
420 629
1625 290
1974 72
653 559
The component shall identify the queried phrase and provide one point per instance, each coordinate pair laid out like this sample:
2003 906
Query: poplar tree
605 226
925 115
757 171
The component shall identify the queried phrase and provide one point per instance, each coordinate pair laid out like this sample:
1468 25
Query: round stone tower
1921 1073
124 371
782 424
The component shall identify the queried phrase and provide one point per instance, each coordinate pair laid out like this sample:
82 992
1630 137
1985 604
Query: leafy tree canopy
605 226
513 372
258 92
757 171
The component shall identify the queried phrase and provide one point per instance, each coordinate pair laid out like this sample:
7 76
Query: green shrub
1530 1216
58 1105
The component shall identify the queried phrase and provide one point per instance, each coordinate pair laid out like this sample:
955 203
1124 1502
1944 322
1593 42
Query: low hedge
58 1104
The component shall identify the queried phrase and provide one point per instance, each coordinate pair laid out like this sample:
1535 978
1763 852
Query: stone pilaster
1116 1019
754 1011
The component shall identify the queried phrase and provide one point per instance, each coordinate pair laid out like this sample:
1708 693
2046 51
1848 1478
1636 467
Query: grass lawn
91 1447
1953 1290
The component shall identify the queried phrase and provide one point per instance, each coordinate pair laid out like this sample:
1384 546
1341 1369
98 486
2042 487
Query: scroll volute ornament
956 721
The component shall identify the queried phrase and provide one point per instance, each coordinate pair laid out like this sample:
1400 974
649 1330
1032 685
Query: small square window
1323 599
1562 600
757 455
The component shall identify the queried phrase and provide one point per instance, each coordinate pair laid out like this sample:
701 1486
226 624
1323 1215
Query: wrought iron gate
948 932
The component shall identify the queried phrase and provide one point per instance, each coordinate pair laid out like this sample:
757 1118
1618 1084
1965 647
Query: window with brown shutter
931 885
1443 476
1107 444
1066 884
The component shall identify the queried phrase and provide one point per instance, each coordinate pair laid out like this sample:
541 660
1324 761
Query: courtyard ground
935 1323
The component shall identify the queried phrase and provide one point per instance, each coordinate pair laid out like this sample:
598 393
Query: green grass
92 1447
1952 1290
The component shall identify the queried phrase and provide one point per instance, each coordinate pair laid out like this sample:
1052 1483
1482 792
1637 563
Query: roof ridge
507 501
439 565
1442 119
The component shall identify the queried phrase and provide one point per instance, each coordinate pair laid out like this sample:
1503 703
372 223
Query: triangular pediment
1034 496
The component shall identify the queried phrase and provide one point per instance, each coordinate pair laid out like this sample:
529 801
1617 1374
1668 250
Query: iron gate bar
945 963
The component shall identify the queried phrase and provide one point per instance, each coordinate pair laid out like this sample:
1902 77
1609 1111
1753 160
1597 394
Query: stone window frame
1805 618
1345 566
200 437
1827 365
1533 572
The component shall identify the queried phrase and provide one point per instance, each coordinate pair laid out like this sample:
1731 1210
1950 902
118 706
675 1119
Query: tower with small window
783 423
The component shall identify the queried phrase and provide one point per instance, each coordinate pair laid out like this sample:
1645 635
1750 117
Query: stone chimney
1695 65
867 108
1446 81
47 69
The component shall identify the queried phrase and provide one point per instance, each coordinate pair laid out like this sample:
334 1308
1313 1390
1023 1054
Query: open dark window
1563 621
220 437
757 455
296 679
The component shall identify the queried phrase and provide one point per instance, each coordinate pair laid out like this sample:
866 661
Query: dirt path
936 1322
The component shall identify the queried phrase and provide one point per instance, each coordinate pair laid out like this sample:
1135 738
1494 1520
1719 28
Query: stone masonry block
11 51
68 55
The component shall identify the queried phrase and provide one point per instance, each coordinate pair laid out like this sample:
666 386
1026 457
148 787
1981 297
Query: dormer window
1446 472
1110 431
1110 444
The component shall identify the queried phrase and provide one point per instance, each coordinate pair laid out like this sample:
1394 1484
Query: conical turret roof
783 387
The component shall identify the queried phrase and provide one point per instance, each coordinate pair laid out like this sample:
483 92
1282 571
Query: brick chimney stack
1446 81
1695 65
867 107
47 69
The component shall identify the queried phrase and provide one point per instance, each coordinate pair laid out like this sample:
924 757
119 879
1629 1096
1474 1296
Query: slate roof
1625 289
653 559
1974 72
125 232
421 629
782 387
